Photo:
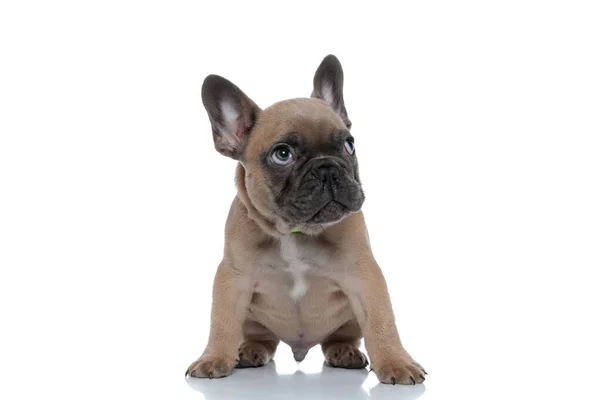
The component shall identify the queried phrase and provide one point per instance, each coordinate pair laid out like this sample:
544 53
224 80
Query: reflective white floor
310 379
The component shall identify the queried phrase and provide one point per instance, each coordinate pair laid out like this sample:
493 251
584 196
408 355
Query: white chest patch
295 266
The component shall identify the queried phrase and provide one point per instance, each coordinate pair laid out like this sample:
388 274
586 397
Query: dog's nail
413 380
393 380
422 377
210 375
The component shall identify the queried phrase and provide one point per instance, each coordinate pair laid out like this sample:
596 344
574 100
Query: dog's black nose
328 173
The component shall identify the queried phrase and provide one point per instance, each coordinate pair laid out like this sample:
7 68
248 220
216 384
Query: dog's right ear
232 115
328 85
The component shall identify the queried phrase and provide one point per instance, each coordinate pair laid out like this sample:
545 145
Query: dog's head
298 156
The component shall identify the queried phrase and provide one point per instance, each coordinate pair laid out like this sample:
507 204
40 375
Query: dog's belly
300 322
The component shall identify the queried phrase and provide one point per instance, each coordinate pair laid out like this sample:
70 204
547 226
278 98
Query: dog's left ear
328 85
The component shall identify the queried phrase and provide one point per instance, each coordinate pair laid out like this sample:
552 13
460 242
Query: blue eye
282 155
349 146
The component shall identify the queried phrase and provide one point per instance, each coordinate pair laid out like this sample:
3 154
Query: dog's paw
401 371
252 354
209 367
344 355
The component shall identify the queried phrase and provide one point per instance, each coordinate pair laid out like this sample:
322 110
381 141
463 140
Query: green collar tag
296 230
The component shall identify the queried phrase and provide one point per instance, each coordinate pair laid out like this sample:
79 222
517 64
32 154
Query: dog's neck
267 225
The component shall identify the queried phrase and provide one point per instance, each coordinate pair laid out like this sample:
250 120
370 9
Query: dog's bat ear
328 85
232 115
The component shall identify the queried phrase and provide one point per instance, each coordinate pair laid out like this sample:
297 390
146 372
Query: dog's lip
344 208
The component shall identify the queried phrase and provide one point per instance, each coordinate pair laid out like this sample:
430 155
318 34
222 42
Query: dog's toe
402 372
344 355
209 367
252 354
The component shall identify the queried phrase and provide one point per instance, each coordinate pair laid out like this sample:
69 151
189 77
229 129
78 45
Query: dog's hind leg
258 347
341 347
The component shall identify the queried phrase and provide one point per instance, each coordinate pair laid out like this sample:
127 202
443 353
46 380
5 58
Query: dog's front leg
370 301
231 296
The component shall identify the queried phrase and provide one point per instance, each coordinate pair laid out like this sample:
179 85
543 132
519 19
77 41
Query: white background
477 129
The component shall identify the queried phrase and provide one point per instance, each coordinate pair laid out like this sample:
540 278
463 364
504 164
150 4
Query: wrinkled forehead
312 119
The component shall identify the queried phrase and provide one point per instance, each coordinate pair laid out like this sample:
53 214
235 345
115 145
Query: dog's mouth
332 211
315 203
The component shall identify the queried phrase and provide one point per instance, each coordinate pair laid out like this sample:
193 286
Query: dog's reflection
330 383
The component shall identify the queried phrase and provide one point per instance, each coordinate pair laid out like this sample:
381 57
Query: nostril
334 173
328 174
331 179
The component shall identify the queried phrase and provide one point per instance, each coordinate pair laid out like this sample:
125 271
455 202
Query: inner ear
232 115
329 97
232 125
328 85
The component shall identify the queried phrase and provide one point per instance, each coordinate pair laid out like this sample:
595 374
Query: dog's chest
296 263
295 291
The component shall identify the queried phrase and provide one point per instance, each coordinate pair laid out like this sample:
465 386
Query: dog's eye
282 155
349 146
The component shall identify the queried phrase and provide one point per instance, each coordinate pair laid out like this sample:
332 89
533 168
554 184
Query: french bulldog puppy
297 264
